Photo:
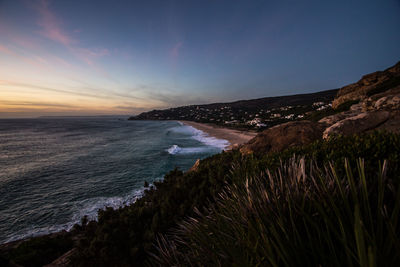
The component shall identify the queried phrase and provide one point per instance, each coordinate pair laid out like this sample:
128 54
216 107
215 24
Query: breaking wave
87 207
201 136
175 149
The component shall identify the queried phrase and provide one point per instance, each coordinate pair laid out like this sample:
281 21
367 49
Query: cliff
368 85
373 104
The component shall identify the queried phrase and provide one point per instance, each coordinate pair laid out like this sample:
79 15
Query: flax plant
299 215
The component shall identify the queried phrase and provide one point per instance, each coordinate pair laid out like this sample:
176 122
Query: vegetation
299 215
219 187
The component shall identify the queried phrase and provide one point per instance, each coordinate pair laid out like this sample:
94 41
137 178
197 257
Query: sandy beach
235 137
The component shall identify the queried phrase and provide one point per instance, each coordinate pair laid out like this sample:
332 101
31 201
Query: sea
54 171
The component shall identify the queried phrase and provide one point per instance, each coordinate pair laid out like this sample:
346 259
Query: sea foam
88 207
175 149
201 136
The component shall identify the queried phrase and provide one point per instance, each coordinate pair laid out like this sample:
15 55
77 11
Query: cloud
81 90
51 25
35 104
170 99
174 52
130 109
5 50
35 61
51 28
44 88
89 55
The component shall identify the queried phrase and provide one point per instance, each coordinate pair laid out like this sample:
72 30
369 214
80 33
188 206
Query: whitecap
87 207
175 149
201 136
90 207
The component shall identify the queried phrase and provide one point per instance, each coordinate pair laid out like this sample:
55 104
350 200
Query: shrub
299 215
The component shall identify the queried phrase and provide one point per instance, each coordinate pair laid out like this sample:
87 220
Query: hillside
373 103
255 113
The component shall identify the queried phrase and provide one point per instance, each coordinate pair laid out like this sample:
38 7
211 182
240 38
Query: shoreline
234 137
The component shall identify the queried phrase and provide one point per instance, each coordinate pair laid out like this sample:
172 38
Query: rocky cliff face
283 136
378 108
369 84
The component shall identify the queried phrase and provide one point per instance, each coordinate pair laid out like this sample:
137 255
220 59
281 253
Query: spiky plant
299 215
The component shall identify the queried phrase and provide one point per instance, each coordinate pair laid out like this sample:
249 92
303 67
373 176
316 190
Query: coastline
234 137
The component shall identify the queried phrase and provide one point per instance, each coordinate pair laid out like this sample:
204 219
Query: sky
124 57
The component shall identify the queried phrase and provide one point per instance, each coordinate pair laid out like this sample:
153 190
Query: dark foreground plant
299 215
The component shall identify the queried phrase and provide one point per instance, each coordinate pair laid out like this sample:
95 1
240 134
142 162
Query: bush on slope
126 236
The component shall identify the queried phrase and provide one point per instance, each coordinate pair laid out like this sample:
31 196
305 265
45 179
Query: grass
298 215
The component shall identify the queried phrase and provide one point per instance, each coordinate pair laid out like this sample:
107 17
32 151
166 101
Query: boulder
356 124
283 136
332 119
389 100
369 84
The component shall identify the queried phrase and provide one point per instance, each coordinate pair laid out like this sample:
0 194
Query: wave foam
175 149
90 207
87 207
201 136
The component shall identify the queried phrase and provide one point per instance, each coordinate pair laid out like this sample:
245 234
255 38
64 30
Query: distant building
318 104
289 117
275 115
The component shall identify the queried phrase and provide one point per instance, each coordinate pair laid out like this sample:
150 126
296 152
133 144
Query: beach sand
235 137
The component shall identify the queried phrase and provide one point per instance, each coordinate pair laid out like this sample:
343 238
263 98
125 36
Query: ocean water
54 171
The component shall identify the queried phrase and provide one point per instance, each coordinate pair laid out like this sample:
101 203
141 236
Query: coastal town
244 115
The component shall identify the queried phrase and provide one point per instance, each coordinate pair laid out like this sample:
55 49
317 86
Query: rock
389 100
369 84
380 102
388 103
283 136
356 107
392 124
332 119
356 124
195 166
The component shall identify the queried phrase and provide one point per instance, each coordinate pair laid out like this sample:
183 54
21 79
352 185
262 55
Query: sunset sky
123 57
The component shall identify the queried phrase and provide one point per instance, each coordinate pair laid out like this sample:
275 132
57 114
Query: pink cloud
51 25
51 28
40 60
175 50
89 55
61 61
35 61
5 50
24 41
